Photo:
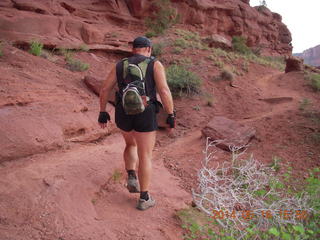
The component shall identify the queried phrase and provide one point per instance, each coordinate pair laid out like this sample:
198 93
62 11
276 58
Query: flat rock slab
229 132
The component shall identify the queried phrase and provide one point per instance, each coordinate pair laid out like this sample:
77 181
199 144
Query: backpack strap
144 65
125 67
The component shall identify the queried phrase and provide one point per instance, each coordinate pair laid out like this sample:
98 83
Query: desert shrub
83 48
187 35
66 53
225 190
305 104
76 65
180 42
239 45
315 81
36 48
181 81
177 50
157 49
150 34
163 18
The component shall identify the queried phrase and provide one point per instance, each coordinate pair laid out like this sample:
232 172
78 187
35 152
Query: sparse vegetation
116 176
304 104
209 99
274 213
189 39
181 81
180 42
36 48
73 64
314 81
76 65
83 48
187 35
239 45
157 49
177 50
163 18
1 52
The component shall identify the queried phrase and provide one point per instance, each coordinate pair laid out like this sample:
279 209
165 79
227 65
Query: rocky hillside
311 56
104 28
109 25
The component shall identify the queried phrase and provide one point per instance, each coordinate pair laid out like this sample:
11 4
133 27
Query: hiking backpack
134 95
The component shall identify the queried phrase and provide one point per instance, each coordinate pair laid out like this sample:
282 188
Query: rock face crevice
41 19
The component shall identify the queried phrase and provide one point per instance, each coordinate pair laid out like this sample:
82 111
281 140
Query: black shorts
142 122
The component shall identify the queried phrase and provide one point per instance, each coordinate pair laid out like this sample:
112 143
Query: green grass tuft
315 81
76 65
157 49
36 48
163 18
181 81
239 45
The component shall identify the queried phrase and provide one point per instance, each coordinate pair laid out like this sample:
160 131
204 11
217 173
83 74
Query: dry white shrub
246 186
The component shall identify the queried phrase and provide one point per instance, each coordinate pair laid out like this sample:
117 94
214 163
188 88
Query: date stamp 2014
247 215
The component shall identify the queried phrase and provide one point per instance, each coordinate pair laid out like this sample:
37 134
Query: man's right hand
171 120
103 119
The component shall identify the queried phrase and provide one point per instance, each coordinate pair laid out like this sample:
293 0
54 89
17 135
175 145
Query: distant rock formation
310 56
100 23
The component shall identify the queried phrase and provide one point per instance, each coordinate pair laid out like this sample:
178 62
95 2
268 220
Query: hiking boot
145 204
133 185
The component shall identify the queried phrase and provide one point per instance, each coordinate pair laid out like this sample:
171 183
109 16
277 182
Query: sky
301 17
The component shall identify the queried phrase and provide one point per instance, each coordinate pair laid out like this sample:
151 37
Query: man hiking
138 77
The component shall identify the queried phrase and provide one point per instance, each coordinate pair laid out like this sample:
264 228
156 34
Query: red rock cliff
72 22
311 56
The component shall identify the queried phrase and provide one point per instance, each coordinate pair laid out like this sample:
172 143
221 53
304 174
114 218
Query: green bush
76 65
187 35
36 48
181 81
163 18
180 42
157 49
150 34
315 81
239 45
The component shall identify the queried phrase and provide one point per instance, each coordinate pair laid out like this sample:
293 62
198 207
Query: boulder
218 41
91 35
293 64
229 132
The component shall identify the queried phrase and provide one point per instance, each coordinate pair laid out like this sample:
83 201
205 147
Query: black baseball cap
141 42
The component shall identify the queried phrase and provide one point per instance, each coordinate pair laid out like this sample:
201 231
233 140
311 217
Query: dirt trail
79 194
281 99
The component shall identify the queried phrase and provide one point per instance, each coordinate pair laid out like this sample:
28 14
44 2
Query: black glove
104 117
171 120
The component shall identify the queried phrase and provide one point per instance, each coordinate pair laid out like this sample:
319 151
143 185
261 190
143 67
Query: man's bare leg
145 143
130 154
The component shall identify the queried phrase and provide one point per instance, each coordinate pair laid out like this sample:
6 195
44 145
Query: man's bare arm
162 87
107 86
